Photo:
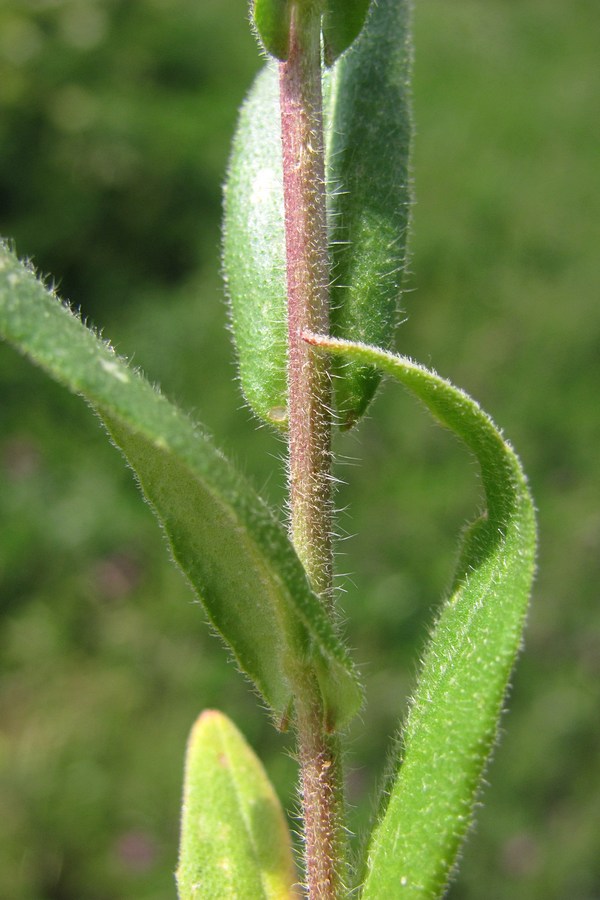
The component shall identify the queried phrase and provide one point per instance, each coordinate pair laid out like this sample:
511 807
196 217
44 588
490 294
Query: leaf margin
222 771
409 844
29 313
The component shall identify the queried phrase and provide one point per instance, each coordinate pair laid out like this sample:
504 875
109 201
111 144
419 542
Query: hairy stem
309 401
322 795
308 300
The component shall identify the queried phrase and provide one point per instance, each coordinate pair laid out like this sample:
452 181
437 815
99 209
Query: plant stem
322 795
308 300
309 402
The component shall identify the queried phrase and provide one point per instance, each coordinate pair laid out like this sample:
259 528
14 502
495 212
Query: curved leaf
235 841
235 554
453 720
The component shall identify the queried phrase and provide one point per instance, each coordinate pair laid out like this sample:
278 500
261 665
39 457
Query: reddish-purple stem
308 302
310 427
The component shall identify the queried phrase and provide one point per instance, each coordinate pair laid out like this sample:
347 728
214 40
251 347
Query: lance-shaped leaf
453 720
367 130
235 554
235 841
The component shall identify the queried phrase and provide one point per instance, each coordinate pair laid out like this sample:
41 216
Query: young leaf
235 841
369 134
235 554
342 23
453 720
254 251
272 21
367 125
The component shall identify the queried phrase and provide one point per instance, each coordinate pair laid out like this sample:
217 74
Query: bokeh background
115 123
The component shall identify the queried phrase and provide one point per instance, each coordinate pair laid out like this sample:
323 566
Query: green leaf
254 251
367 125
235 554
235 841
342 23
453 720
272 21
369 136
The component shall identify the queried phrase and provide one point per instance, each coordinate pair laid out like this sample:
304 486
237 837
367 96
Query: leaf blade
229 545
368 151
235 841
272 23
343 21
254 256
452 723
367 123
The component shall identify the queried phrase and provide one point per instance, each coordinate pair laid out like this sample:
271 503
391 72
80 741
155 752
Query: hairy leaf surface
453 720
254 251
342 21
235 554
272 21
367 130
368 148
235 841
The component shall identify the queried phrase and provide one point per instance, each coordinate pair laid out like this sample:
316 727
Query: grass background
116 117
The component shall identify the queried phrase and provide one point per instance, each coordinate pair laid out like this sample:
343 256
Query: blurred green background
115 122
